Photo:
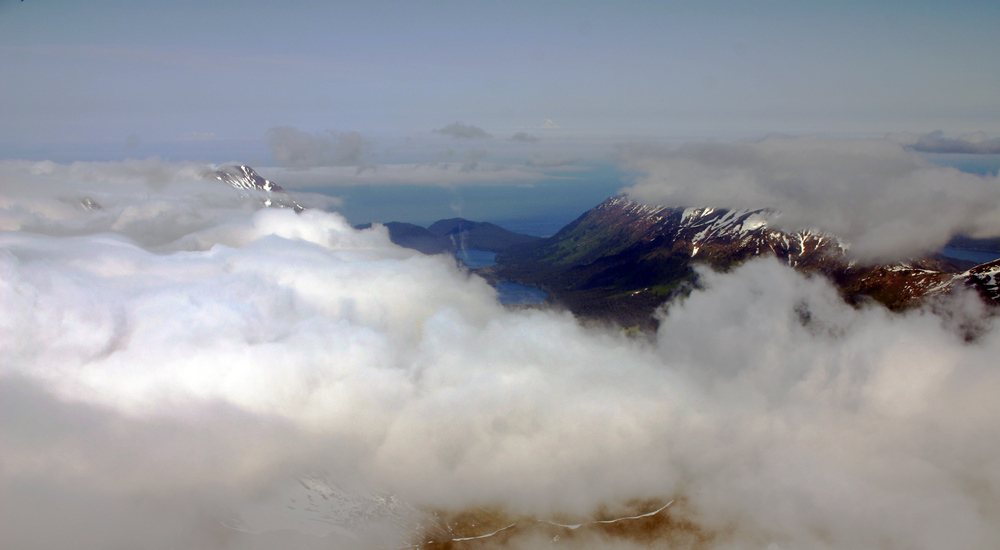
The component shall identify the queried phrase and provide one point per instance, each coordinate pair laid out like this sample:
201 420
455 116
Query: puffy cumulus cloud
524 137
294 148
458 130
830 410
148 396
889 203
973 144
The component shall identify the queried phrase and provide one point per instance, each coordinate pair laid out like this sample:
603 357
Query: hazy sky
215 72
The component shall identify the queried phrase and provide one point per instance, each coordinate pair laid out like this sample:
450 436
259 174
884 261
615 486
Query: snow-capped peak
244 178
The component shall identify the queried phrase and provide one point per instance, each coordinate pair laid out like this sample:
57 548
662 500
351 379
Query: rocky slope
985 278
622 259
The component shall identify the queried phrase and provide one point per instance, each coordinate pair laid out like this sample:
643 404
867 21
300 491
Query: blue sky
211 78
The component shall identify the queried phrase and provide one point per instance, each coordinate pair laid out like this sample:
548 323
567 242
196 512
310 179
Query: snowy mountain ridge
704 225
253 186
623 259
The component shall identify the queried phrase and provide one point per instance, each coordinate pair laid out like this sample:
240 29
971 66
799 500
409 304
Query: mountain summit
255 187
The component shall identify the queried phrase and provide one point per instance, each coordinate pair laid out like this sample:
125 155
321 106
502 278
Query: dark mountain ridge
622 259
453 234
478 235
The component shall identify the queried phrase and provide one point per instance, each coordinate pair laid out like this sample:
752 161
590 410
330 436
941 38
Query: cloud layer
148 391
887 202
467 169
973 144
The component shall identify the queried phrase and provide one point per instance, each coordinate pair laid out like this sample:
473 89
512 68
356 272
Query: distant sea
540 209
983 165
977 256
508 292
477 258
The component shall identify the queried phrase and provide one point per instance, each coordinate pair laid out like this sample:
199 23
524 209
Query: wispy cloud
294 148
471 159
524 137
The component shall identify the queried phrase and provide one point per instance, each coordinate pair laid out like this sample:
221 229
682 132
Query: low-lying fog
172 356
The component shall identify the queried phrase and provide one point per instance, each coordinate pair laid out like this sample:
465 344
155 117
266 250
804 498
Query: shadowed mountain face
453 234
465 234
416 237
986 279
622 259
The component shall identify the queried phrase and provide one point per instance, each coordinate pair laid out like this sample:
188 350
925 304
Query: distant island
452 235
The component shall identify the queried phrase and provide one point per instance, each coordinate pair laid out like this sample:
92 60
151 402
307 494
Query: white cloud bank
889 203
150 384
